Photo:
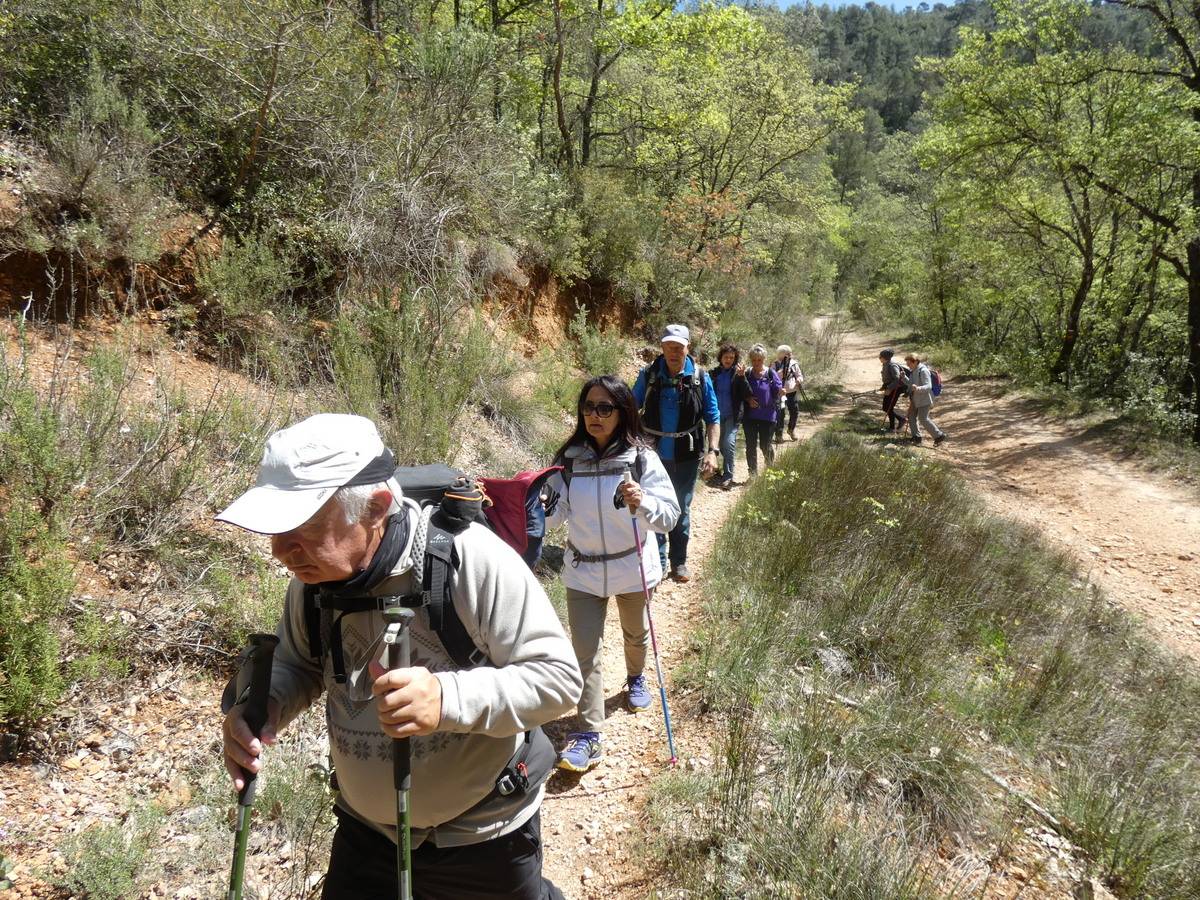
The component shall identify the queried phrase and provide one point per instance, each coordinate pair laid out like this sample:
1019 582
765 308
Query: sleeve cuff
451 702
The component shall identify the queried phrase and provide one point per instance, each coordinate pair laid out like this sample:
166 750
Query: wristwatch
713 450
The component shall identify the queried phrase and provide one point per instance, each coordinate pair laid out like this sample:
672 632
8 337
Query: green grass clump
110 862
878 646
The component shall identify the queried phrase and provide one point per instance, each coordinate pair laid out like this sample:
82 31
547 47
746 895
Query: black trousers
362 866
791 402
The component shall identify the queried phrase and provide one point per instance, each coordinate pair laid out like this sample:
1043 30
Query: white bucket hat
304 465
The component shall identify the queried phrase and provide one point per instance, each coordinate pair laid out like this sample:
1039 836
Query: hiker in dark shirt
729 381
893 375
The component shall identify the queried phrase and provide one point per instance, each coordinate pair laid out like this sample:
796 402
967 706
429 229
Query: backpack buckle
513 780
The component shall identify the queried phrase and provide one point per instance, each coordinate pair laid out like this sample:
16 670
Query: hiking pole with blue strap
662 688
399 655
258 658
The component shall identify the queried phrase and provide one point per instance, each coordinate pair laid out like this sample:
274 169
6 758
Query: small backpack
935 378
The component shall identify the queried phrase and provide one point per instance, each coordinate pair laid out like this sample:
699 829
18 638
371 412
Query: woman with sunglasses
601 561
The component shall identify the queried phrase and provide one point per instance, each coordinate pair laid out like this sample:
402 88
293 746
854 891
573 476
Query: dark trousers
792 403
758 436
362 866
683 479
889 406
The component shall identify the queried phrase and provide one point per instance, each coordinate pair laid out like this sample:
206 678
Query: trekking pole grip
399 656
260 656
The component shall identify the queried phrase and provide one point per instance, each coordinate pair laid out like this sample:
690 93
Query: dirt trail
1136 534
592 824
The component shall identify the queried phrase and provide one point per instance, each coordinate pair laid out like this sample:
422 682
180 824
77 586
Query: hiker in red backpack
338 519
919 387
601 561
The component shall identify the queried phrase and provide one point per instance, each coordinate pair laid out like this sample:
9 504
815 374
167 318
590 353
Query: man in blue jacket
679 408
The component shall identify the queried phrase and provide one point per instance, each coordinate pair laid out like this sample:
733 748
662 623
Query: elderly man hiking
679 410
327 496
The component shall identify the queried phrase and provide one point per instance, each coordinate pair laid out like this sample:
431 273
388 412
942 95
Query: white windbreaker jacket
596 527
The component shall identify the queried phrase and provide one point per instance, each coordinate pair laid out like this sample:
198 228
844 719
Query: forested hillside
1014 178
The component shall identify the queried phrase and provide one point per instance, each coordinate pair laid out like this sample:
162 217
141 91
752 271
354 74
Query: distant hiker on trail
919 387
893 375
729 381
793 380
762 408
327 496
601 559
679 409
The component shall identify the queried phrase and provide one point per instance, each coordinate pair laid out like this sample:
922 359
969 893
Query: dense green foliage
877 646
1013 176
1040 210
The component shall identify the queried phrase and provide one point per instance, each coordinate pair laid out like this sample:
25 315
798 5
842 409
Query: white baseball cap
304 465
679 334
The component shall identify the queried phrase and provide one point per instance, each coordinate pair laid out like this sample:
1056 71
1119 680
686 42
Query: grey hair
758 350
355 499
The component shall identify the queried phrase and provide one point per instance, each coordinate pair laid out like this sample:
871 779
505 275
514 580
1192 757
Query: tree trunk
1062 365
494 6
1191 378
560 111
370 15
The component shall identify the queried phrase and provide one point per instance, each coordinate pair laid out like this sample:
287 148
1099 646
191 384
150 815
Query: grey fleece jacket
530 677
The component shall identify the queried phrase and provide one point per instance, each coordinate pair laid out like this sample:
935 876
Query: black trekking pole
257 658
399 656
662 688
803 396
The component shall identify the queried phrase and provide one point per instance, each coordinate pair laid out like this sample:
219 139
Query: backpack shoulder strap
639 464
312 623
440 561
568 467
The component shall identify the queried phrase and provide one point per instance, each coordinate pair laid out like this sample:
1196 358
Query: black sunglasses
603 410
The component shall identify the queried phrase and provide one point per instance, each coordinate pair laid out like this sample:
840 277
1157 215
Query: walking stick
803 396
258 657
399 655
662 688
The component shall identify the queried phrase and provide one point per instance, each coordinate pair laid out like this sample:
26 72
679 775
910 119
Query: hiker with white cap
793 382
679 409
338 520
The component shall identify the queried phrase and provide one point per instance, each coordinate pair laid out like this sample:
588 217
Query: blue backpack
936 378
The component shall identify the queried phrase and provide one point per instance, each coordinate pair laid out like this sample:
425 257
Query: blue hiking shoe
638 697
581 753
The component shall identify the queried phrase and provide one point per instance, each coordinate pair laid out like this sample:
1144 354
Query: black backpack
459 502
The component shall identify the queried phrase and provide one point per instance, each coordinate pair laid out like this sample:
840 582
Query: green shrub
36 580
411 363
96 196
112 862
597 351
